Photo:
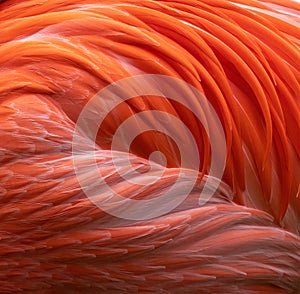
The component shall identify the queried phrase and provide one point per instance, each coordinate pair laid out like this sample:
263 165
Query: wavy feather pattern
242 55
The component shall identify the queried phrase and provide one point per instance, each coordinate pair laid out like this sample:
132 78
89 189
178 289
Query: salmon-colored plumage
243 56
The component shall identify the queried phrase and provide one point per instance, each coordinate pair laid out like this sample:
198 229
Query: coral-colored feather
242 55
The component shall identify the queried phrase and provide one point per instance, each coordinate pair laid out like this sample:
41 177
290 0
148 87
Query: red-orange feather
242 55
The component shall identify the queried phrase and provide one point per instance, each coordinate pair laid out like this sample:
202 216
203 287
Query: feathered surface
242 55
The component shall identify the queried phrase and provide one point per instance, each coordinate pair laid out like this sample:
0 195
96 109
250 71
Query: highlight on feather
242 56
159 87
